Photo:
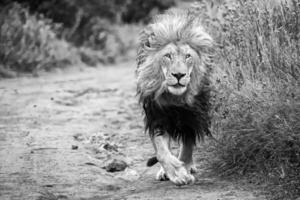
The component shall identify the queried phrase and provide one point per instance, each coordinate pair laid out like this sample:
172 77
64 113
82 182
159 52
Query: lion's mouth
177 85
177 89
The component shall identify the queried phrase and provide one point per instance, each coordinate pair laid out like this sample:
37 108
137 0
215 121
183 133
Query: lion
173 86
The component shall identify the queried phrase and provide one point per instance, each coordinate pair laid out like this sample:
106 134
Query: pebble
116 165
78 137
110 147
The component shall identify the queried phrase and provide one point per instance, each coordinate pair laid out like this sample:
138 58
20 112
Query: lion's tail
152 161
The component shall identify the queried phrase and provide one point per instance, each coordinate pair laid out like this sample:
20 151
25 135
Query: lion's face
173 58
177 63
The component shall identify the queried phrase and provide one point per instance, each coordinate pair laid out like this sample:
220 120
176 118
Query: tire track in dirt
58 131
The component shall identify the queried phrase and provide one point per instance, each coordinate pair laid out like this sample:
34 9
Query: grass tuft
256 108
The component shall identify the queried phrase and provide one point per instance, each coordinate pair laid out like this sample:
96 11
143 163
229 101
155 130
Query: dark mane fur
182 122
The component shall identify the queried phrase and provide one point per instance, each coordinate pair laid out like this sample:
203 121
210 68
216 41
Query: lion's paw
182 177
177 172
161 175
191 168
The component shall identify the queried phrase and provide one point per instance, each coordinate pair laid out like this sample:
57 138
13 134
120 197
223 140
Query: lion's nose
178 75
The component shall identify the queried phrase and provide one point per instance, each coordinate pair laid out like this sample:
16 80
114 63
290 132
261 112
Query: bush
111 43
142 11
256 109
84 21
29 43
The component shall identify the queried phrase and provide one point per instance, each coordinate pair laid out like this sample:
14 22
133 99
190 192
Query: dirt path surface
59 132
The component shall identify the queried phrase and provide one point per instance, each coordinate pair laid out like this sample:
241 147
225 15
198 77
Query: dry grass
257 109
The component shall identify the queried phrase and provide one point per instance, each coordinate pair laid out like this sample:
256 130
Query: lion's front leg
186 156
161 174
174 169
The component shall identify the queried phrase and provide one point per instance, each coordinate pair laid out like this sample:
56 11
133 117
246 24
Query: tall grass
257 109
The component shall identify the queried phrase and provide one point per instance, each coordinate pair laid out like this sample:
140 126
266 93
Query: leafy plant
29 43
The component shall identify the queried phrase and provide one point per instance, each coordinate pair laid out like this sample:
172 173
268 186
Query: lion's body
173 82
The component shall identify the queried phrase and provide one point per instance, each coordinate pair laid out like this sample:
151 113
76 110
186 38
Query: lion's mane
184 117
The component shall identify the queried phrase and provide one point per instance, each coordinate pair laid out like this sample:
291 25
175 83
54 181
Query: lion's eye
167 55
188 56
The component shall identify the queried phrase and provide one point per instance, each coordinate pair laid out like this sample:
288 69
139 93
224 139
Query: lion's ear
146 37
145 44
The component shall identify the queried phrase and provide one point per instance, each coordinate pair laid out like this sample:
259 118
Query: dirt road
59 131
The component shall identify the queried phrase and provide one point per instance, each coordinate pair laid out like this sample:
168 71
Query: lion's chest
179 121
175 118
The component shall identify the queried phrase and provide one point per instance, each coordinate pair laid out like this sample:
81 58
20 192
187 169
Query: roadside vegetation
29 43
48 34
256 115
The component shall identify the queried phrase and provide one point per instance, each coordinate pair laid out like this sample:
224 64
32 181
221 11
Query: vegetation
41 35
82 21
28 43
257 109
